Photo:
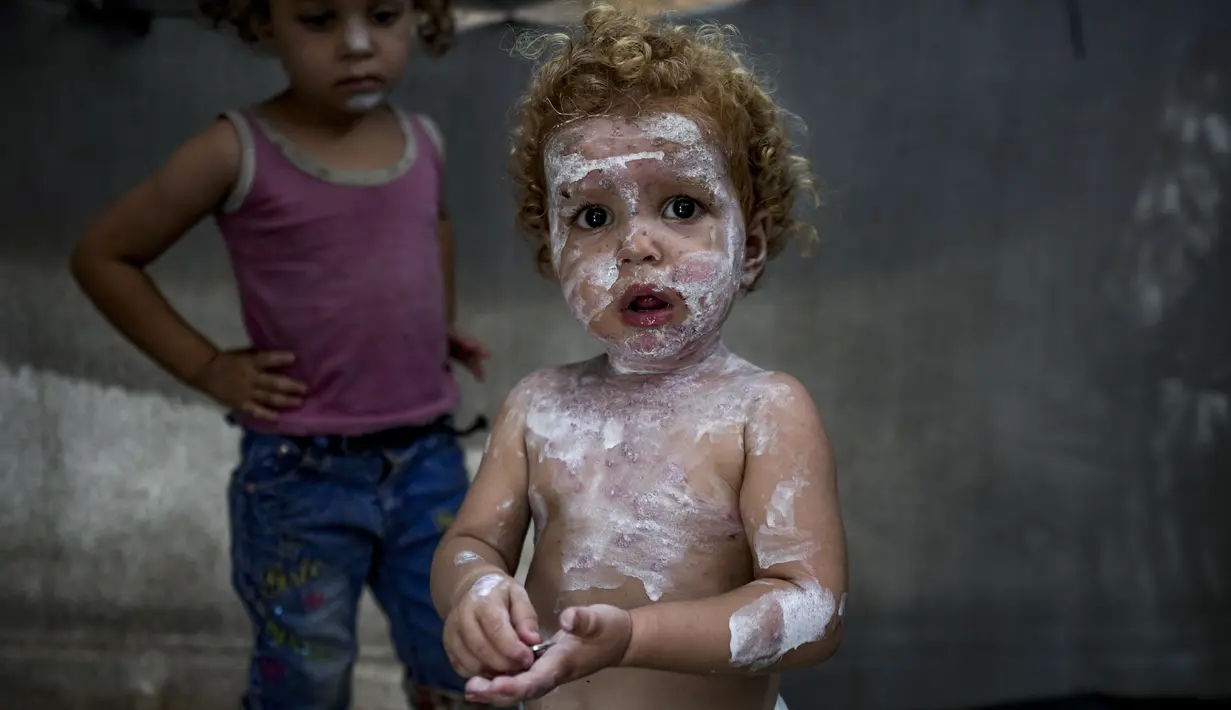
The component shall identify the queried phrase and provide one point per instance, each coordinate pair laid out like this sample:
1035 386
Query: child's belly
628 535
624 688
621 580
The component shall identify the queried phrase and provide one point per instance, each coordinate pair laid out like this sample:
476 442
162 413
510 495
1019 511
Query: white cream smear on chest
634 471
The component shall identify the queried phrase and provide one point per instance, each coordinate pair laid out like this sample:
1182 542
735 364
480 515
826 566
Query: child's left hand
469 352
591 638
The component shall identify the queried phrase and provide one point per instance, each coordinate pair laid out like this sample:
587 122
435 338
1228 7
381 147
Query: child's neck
311 114
704 351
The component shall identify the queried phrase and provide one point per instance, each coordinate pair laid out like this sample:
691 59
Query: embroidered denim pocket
266 463
268 482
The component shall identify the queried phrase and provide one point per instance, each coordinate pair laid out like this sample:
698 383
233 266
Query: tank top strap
245 131
424 131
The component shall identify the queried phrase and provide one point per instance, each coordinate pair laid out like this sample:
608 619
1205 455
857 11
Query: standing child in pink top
329 200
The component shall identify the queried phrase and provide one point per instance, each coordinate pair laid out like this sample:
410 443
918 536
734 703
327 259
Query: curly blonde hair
616 63
436 26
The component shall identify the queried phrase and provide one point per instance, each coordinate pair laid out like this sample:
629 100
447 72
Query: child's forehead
598 137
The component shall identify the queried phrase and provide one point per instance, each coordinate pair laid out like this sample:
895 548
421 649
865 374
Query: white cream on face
364 102
566 168
358 38
707 276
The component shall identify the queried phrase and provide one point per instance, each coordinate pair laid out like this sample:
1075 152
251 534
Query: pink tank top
343 269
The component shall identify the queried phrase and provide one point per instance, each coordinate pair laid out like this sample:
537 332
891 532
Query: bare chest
630 486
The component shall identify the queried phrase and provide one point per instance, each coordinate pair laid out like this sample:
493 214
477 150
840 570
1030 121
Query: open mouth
644 306
641 298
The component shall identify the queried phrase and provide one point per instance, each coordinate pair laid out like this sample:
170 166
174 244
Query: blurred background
1016 326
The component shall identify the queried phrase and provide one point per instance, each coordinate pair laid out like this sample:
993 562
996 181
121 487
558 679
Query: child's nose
357 39
641 246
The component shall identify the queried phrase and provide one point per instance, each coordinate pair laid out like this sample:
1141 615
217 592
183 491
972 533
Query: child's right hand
490 631
244 381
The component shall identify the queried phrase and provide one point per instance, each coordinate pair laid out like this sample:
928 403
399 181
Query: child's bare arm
789 617
466 350
490 622
109 262
490 529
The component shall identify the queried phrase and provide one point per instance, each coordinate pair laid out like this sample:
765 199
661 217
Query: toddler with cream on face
689 544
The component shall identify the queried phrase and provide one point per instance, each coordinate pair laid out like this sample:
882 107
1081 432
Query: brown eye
683 208
594 217
384 18
318 21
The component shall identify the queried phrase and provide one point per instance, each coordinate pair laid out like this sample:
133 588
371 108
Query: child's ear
756 245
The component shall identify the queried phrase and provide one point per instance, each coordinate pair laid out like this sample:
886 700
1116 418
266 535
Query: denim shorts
312 524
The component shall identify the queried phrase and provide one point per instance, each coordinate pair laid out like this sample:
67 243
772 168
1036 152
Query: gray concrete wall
1033 463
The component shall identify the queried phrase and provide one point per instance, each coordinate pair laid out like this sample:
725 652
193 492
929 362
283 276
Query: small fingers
477 644
463 661
525 620
276 399
507 652
484 690
255 410
530 686
507 640
280 384
509 690
477 688
270 359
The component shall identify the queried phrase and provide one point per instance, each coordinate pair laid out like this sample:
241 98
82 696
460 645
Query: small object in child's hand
539 649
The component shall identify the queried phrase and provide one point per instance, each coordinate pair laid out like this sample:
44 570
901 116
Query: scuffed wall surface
1033 467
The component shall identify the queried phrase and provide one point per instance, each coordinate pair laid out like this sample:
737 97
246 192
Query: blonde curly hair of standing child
618 63
436 25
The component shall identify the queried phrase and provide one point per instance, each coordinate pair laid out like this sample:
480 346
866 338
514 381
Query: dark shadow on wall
1170 282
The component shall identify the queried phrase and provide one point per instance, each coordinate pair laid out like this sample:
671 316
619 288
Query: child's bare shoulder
773 404
781 411
759 386
548 386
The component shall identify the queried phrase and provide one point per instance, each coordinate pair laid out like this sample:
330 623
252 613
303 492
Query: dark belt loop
479 424
386 465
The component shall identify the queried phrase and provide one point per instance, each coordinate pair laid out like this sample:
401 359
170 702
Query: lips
360 84
645 306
